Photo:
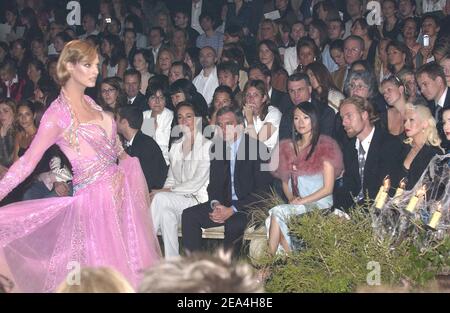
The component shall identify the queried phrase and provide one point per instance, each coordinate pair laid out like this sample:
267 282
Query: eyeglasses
359 86
154 98
352 50
6 284
108 90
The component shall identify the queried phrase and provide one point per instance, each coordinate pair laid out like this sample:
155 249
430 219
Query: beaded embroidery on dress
105 223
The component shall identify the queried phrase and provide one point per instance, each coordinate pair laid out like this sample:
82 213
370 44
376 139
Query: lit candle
380 200
435 217
400 190
412 205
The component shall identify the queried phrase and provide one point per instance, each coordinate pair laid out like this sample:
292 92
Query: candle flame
422 191
402 184
387 183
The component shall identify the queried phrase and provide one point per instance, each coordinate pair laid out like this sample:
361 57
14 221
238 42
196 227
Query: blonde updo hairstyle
97 280
74 52
431 133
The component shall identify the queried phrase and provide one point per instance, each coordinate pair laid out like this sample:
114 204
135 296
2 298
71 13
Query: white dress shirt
365 143
162 133
206 85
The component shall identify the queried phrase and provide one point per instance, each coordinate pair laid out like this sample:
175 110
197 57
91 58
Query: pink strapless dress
105 223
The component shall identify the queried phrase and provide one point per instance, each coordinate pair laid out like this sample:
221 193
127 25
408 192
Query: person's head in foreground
200 273
95 280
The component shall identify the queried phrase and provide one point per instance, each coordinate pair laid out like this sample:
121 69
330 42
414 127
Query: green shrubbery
340 255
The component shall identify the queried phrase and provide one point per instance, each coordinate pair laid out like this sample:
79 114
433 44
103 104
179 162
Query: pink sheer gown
104 224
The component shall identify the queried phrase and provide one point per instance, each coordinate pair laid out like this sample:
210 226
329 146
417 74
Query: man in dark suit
129 122
370 155
433 86
132 85
238 174
300 90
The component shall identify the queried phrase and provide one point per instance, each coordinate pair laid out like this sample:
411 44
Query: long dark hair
277 64
309 109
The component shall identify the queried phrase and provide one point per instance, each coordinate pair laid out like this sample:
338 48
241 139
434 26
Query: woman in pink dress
105 222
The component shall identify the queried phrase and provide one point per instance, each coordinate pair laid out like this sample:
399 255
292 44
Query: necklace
73 128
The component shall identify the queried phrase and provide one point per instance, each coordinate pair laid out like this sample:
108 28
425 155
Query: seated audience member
183 90
446 127
259 71
187 179
361 82
422 143
132 86
143 62
237 179
129 123
158 119
323 86
394 93
269 55
164 61
179 70
262 120
7 134
432 83
300 90
207 81
223 96
96 280
46 91
370 155
228 75
201 273
11 85
111 95
308 165
233 52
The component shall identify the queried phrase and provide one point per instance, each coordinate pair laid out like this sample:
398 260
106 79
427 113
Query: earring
315 59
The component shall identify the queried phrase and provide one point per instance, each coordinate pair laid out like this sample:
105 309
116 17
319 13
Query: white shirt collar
132 99
441 101
366 142
130 143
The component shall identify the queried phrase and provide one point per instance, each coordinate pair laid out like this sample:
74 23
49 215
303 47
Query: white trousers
166 209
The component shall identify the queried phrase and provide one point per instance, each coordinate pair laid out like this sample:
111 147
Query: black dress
419 164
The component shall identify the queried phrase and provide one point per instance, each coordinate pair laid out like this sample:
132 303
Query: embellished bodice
92 147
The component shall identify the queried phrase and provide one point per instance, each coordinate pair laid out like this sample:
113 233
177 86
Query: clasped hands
297 200
220 213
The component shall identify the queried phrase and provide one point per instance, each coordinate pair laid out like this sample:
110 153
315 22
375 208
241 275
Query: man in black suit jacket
433 85
237 176
300 90
129 122
132 85
371 153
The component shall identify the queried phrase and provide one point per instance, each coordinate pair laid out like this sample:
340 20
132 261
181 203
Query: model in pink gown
104 224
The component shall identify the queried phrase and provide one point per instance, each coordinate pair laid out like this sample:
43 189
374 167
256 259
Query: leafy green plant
337 253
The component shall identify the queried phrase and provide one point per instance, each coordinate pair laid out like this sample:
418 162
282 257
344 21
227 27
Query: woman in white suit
187 179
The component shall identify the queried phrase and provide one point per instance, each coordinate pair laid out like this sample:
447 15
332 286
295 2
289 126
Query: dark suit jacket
419 164
384 158
440 122
326 120
280 100
151 159
140 102
249 179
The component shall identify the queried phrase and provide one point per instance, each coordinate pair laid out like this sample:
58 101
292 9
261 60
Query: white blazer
189 175
162 133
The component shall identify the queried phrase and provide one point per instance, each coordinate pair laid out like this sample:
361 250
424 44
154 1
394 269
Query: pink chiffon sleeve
48 133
